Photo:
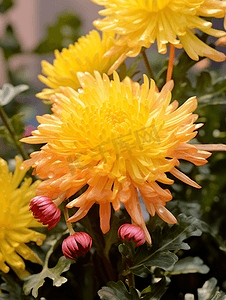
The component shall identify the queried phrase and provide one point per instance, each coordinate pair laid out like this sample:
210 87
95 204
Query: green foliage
17 126
209 291
65 31
211 92
5 5
13 289
182 83
34 282
118 291
155 291
9 43
189 265
9 92
132 70
164 240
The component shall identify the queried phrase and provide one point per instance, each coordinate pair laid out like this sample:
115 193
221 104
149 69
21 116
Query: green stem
100 245
69 225
7 124
128 262
147 65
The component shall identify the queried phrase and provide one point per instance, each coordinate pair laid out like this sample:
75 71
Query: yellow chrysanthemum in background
16 220
117 137
139 23
84 56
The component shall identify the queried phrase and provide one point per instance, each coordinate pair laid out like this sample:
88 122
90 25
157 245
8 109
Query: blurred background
30 21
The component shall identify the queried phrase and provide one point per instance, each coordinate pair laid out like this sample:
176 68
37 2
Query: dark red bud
131 232
77 244
45 210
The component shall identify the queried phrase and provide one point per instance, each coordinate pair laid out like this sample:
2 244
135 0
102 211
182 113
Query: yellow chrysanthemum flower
84 56
16 220
117 137
139 23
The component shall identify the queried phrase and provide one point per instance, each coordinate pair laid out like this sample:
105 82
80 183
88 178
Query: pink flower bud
77 244
28 131
45 210
132 232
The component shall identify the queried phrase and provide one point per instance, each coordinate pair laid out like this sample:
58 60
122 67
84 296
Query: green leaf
34 282
9 92
203 82
18 129
9 43
155 291
5 5
118 291
189 265
209 291
64 32
13 290
164 240
132 70
216 93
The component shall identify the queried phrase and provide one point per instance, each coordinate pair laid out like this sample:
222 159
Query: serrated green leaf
210 291
164 240
9 92
5 5
34 282
155 291
117 291
189 265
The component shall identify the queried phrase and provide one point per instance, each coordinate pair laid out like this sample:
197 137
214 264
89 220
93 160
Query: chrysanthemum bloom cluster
16 220
84 56
132 233
76 245
44 209
139 23
117 137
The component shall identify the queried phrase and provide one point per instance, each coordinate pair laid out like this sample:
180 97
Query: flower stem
127 251
102 261
10 129
146 63
170 65
69 225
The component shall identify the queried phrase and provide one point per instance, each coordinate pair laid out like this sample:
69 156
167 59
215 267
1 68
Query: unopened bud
131 232
76 244
45 210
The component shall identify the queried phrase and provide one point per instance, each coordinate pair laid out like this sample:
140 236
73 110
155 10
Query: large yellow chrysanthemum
138 23
16 220
117 137
84 56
